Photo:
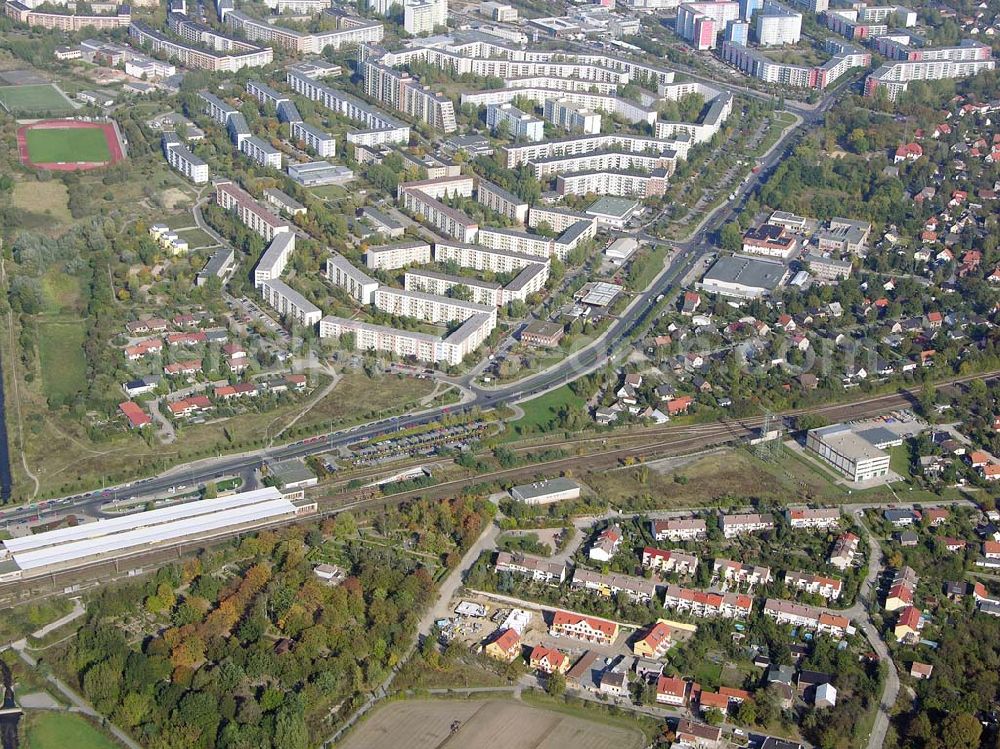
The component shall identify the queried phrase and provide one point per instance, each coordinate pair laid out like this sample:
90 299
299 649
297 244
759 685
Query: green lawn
538 412
43 97
60 349
51 730
67 145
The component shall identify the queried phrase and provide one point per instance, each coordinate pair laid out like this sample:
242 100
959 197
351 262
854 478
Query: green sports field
43 97
67 144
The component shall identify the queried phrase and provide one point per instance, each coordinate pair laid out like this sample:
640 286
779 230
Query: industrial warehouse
104 540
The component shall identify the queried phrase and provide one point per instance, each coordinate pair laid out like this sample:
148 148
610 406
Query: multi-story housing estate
502 201
180 158
343 274
274 259
431 282
929 64
542 95
260 151
637 589
350 31
405 94
669 561
289 303
423 199
580 627
566 114
320 143
845 548
728 571
250 212
707 605
682 529
827 587
513 240
810 617
806 517
777 24
190 56
757 65
428 307
538 569
736 525
650 153
423 16
380 127
699 23
71 22
558 219
397 255
518 124
613 182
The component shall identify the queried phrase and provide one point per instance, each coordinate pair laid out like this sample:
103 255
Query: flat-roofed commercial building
317 173
341 272
744 277
113 538
848 451
546 492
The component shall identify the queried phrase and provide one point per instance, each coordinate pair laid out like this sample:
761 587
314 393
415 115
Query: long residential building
810 617
680 529
289 303
495 100
397 255
430 282
637 589
428 307
827 587
728 571
538 569
189 56
380 126
807 517
757 65
250 212
260 151
405 94
274 259
501 201
180 158
610 181
424 347
70 22
661 560
704 604
657 149
580 627
355 31
446 219
342 273
968 59
739 524
320 143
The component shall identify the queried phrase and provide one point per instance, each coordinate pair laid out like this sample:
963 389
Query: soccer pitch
43 97
48 145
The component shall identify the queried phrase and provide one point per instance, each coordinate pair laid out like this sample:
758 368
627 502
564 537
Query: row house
726 570
822 517
638 589
827 587
580 627
538 569
189 406
682 529
704 604
844 550
189 367
810 617
669 561
902 589
143 348
736 525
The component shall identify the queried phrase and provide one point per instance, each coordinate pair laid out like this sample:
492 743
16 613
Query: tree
961 731
731 237
555 685
747 713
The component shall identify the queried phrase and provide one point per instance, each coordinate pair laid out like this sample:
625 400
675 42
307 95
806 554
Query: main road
614 341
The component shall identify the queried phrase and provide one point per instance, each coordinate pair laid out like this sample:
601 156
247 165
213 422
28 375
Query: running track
110 136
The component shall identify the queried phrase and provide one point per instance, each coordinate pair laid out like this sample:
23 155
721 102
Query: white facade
422 16
185 162
341 272
520 125
287 302
274 259
320 143
250 212
391 256
777 25
565 114
261 152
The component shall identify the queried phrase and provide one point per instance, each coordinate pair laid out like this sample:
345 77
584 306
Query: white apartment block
428 307
481 292
529 281
274 259
520 125
511 240
399 255
442 187
569 116
483 258
406 94
778 24
558 219
249 56
185 162
895 77
289 303
449 221
588 101
351 31
737 525
320 143
516 154
381 126
612 182
681 529
261 152
827 587
501 201
707 605
264 93
810 617
805 517
741 574
422 16
215 107
342 273
538 569
669 561
250 212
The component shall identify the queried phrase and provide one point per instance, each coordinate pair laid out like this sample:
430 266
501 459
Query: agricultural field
58 730
487 724
43 97
51 145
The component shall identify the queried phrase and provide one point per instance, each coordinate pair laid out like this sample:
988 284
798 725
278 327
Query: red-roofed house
671 691
589 628
655 643
137 418
548 660
908 152
679 405
504 647
908 625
